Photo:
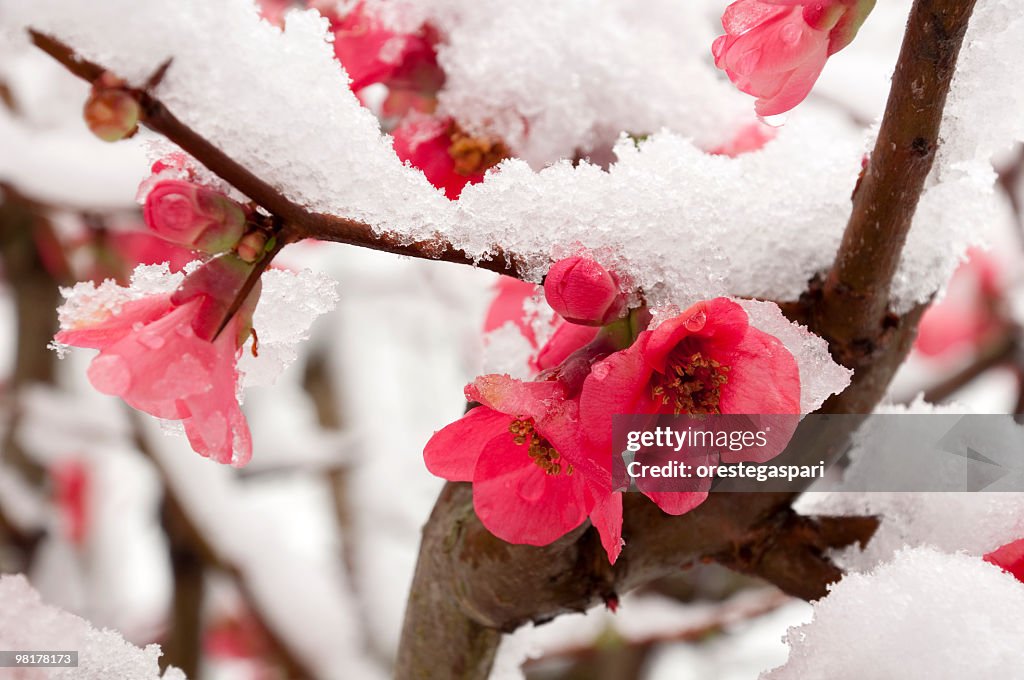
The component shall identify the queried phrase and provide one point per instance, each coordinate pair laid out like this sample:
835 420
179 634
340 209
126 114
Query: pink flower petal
453 451
518 502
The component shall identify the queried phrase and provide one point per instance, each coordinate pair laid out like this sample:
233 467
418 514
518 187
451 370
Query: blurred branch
997 353
191 554
299 222
35 295
594 660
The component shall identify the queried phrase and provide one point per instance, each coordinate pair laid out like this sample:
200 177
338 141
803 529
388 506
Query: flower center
474 155
691 383
539 449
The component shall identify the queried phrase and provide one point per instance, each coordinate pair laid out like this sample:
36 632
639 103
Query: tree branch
469 584
299 222
855 297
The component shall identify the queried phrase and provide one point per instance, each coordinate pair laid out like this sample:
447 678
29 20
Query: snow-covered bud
193 216
112 114
582 291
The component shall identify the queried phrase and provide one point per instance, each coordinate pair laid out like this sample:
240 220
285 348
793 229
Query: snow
972 522
26 623
924 615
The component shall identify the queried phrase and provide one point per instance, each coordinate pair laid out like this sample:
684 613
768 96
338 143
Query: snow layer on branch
686 224
637 67
925 615
27 623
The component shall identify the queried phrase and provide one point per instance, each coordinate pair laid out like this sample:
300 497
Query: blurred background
298 566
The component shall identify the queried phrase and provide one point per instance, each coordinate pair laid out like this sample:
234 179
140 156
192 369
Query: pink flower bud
193 216
111 114
582 291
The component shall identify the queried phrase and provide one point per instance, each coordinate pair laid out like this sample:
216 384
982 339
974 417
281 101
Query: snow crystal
925 615
820 376
289 303
27 623
506 350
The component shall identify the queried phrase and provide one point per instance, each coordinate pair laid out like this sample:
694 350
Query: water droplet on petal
110 374
530 486
601 370
790 34
151 340
696 322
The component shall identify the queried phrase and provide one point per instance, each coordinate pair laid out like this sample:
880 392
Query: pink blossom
776 49
707 360
193 216
520 448
582 291
449 158
158 355
372 53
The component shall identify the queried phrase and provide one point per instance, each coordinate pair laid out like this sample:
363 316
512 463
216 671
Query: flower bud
112 114
582 291
193 216
219 282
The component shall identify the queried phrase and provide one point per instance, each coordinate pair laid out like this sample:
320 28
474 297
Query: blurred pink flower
449 158
750 137
71 489
372 53
969 314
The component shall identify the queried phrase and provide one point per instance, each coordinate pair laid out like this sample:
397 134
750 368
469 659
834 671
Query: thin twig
299 222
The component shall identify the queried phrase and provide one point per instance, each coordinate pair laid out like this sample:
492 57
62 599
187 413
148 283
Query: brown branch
299 222
855 297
